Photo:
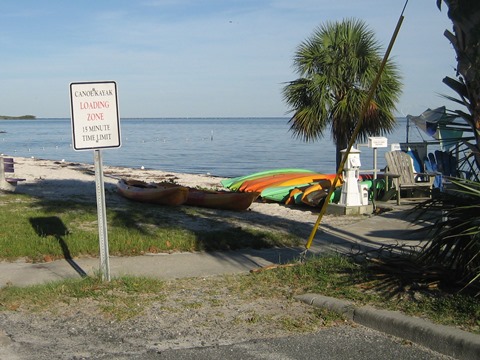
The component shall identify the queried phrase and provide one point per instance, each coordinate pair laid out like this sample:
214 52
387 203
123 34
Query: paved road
339 343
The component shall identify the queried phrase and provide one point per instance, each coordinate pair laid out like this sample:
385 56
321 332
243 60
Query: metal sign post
95 126
376 142
102 217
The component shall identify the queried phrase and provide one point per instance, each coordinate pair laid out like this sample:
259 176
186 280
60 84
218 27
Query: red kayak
226 200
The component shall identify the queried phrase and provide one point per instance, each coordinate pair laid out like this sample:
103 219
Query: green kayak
234 183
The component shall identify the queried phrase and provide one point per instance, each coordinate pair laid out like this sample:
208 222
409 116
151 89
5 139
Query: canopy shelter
440 125
448 131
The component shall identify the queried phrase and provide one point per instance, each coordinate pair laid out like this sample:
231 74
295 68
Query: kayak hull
226 200
163 194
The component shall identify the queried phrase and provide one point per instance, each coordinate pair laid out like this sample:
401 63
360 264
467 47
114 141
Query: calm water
221 147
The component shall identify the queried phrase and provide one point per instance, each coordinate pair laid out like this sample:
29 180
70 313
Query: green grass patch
340 277
42 230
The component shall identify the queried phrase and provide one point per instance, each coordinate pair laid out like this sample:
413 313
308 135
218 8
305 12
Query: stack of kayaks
291 186
277 185
235 183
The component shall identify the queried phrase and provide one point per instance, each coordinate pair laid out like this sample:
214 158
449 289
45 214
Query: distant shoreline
22 117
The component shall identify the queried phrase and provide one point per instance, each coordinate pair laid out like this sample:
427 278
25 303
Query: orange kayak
294 180
311 178
257 185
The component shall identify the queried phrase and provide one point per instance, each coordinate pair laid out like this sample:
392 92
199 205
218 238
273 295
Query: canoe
226 200
257 185
282 193
159 193
234 183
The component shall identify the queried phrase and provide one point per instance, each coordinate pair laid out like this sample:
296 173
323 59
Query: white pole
102 217
374 183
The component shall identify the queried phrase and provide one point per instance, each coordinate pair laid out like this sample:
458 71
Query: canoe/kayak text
93 92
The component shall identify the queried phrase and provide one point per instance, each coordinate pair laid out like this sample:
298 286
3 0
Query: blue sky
199 58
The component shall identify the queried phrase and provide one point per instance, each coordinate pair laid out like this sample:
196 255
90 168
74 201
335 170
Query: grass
340 277
121 298
41 231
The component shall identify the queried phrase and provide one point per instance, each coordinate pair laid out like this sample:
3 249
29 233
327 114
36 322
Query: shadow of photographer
54 226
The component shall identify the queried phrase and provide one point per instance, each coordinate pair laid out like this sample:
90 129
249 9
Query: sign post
376 142
96 126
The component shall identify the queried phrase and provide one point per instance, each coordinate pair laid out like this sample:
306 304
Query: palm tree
337 66
465 39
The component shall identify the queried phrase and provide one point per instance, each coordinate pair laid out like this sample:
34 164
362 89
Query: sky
200 58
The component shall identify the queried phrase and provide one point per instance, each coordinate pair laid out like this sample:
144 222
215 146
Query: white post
102 217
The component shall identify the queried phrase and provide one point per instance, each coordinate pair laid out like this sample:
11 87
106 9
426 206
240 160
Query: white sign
94 111
395 147
377 142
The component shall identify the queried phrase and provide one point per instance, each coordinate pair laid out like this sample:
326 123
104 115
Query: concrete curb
442 339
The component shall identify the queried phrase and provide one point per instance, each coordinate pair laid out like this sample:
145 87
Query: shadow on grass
53 226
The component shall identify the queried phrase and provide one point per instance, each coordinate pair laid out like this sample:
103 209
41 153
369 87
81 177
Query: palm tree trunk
465 16
341 145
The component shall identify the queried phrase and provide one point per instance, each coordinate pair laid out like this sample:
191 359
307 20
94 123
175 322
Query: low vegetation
453 248
333 275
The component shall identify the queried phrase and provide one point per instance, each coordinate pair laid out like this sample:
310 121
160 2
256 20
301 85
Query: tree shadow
54 226
214 229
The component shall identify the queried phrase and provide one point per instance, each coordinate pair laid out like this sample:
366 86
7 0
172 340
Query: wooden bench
7 166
